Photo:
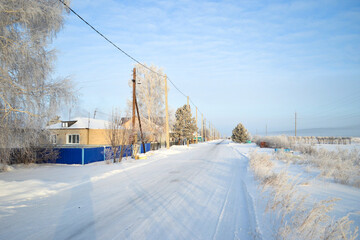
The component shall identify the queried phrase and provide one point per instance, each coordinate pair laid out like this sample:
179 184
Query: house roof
82 123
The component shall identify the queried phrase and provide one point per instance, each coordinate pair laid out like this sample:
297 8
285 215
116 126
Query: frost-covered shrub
275 141
261 164
5 168
290 157
342 165
305 149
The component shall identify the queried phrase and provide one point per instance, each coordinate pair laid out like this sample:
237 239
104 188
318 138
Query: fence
85 155
80 154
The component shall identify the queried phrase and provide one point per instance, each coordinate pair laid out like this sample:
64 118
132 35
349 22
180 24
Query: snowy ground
205 191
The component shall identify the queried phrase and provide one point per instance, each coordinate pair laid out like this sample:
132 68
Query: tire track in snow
221 215
253 219
168 199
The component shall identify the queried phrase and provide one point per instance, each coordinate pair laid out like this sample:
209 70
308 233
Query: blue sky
255 62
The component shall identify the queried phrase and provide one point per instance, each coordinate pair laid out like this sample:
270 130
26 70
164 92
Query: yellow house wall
98 137
87 136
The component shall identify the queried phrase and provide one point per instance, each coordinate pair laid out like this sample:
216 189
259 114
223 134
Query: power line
116 46
123 51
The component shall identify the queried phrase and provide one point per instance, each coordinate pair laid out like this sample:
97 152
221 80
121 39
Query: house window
53 139
73 139
64 124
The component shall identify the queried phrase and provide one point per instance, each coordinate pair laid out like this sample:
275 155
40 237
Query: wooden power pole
196 127
133 105
266 130
295 124
209 130
188 107
141 132
167 116
202 127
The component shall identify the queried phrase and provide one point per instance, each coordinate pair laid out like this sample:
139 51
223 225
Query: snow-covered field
206 191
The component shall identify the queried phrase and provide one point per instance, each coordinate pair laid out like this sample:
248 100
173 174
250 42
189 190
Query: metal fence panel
127 150
85 155
147 147
93 155
69 155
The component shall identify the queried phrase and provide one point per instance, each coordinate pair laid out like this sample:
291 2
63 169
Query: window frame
53 137
71 137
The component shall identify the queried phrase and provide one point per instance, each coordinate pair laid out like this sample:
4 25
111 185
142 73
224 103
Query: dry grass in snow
295 220
343 165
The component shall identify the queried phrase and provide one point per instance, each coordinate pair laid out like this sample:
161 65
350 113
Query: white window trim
64 124
53 136
67 138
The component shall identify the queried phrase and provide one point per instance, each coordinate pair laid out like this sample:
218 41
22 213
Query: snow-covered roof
80 122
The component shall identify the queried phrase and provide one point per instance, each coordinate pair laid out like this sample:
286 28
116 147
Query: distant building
82 131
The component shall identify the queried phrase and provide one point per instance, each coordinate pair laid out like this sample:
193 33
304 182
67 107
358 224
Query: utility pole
196 127
202 127
188 106
167 116
295 124
205 130
141 132
266 130
209 130
133 105
94 113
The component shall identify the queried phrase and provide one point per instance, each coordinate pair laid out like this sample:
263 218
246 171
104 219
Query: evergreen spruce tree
185 125
240 134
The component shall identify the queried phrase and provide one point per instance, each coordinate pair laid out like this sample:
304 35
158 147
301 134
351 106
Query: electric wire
124 52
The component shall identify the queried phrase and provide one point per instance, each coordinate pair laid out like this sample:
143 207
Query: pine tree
185 125
240 134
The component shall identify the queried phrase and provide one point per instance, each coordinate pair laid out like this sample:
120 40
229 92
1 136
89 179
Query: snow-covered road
196 193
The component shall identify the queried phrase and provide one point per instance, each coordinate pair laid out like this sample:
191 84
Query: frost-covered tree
150 94
185 125
240 134
29 96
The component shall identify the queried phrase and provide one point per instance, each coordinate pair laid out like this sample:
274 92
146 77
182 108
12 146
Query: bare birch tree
150 93
118 136
29 96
